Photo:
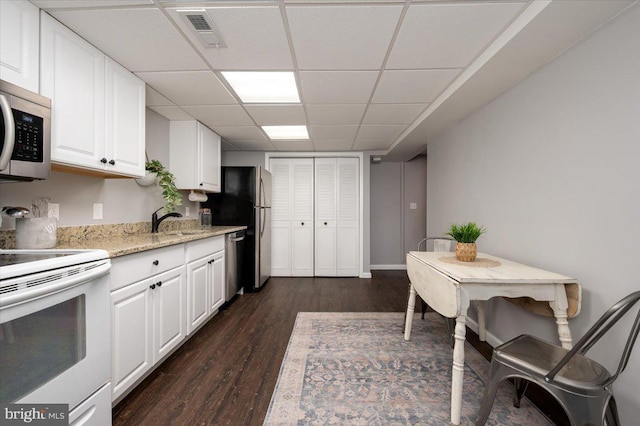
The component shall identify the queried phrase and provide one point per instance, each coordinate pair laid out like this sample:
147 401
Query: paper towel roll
197 196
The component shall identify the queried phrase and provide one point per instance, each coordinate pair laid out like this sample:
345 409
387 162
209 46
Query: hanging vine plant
167 182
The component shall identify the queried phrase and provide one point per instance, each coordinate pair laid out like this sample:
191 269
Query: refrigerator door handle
263 221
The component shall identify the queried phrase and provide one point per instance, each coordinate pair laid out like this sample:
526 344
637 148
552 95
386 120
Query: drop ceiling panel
153 98
141 39
293 145
277 115
448 35
172 113
240 133
253 145
393 113
335 114
255 38
342 37
337 87
333 145
58 4
372 131
412 86
372 145
189 87
319 133
219 115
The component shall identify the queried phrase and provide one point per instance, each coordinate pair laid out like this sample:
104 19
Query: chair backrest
599 329
437 244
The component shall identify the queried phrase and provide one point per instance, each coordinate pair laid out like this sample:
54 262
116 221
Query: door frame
359 155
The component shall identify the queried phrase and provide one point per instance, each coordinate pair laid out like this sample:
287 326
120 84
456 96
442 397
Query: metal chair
443 244
581 386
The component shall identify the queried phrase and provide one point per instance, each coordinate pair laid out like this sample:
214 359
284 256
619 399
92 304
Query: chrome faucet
155 220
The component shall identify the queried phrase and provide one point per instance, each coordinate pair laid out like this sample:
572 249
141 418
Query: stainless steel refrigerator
246 200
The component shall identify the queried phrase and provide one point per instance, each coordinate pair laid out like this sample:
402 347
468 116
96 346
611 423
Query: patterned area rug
356 369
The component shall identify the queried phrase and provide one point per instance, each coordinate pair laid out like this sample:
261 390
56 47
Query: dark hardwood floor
225 374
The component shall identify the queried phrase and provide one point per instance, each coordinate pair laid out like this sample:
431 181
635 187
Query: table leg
559 307
482 331
410 308
457 374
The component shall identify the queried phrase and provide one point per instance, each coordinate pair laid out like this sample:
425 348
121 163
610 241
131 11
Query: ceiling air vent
201 24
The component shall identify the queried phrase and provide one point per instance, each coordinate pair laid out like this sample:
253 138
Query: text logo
34 414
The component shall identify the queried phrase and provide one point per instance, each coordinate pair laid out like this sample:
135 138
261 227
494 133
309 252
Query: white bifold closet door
292 217
336 217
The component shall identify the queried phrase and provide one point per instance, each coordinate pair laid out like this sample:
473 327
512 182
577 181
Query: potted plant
167 182
466 235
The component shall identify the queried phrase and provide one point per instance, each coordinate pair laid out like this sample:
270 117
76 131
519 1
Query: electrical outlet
186 211
54 210
97 211
413 206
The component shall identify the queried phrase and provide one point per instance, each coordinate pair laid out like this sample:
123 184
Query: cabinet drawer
199 248
135 267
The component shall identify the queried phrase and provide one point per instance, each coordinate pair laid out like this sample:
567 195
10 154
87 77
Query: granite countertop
127 238
134 243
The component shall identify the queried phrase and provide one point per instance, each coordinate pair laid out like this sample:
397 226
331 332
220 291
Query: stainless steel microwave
25 134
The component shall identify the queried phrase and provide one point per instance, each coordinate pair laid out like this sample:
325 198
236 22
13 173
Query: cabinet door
302 217
131 335
197 283
72 75
124 121
347 218
325 216
217 281
208 159
20 44
169 313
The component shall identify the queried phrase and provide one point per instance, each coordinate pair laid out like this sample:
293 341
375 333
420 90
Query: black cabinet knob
152 286
103 161
159 283
112 162
302 223
156 262
325 224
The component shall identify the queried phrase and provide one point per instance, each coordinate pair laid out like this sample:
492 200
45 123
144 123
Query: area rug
356 369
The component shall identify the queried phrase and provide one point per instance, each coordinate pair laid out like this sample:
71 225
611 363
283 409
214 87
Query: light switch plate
97 211
413 206
186 211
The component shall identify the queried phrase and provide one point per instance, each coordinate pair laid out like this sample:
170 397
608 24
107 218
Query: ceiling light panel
263 87
286 132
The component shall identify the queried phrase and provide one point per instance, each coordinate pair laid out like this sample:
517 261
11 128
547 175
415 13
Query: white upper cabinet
125 119
98 121
19 44
195 156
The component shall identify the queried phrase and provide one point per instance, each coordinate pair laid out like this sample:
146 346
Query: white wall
551 168
123 199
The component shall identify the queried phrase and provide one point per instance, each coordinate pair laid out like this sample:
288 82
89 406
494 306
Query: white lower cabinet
148 320
158 297
205 280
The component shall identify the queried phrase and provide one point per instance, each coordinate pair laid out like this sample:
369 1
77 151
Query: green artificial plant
167 182
465 233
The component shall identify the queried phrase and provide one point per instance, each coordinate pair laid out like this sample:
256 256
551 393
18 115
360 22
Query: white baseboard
491 339
389 267
366 275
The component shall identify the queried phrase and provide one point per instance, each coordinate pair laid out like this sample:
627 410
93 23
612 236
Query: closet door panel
280 217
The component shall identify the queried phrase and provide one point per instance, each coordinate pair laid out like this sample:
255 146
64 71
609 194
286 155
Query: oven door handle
9 133
19 296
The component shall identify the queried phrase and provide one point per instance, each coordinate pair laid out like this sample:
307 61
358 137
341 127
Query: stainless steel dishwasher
231 263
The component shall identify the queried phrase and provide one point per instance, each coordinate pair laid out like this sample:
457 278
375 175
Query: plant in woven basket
466 235
167 182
